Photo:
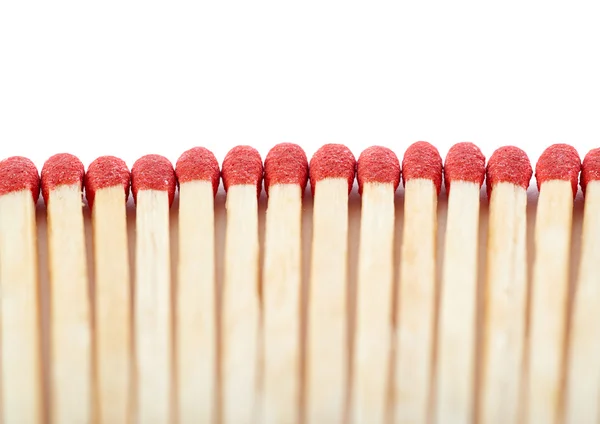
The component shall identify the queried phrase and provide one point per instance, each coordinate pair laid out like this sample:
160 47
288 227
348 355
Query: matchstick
286 174
583 384
556 172
198 175
332 170
378 173
19 304
464 172
153 186
107 189
508 175
242 172
422 177
70 311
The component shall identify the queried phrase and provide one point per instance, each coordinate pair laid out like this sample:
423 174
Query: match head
198 164
464 162
18 173
508 164
558 162
61 169
591 168
242 166
153 172
286 163
422 160
332 161
104 172
378 164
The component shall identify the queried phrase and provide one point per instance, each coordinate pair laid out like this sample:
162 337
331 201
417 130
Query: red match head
332 161
61 169
153 172
198 164
18 173
558 162
464 162
422 160
286 163
104 172
591 168
242 166
378 164
508 164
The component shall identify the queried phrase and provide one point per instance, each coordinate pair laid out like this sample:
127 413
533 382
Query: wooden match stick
242 177
583 384
107 189
70 311
198 174
332 170
464 171
422 177
508 175
556 172
286 174
153 186
378 173
20 317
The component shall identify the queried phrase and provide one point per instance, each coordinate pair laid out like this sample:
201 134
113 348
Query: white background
131 78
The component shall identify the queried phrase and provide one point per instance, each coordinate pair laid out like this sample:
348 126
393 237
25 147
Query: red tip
198 164
18 173
591 168
242 165
106 171
378 164
332 161
61 169
286 163
464 162
422 160
508 164
558 162
153 172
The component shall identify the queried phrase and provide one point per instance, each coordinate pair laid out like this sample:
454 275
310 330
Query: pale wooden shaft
195 311
19 308
583 389
240 306
113 306
549 301
70 332
281 305
152 308
327 350
456 335
506 289
374 304
416 304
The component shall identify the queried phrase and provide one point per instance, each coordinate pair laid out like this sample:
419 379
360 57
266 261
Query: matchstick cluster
413 337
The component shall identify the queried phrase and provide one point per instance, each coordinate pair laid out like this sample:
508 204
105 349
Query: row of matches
189 352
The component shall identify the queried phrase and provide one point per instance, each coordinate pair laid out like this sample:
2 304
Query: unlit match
107 189
242 172
422 177
153 186
198 175
464 172
557 171
332 171
378 173
70 312
20 337
286 174
508 175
